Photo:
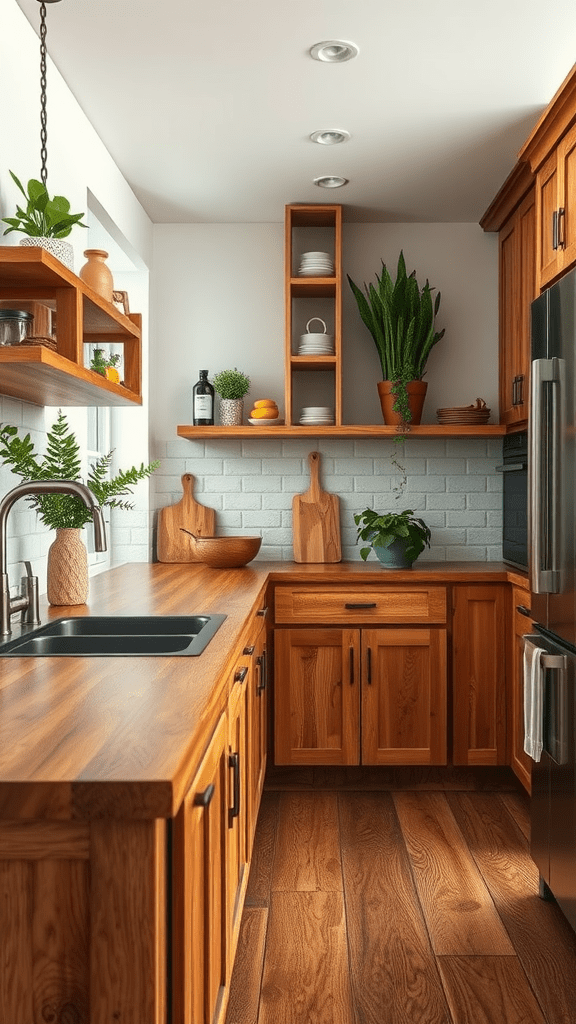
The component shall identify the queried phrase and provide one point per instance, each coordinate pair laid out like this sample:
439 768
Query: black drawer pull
203 799
261 663
234 763
369 665
371 604
523 610
240 674
263 612
249 650
351 666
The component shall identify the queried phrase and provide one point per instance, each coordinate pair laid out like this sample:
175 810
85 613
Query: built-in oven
515 500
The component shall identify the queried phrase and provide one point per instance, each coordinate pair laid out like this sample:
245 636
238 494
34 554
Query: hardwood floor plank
308 845
394 976
518 806
247 974
486 989
544 942
306 977
260 878
458 908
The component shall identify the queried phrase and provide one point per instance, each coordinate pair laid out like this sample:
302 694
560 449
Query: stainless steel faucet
27 603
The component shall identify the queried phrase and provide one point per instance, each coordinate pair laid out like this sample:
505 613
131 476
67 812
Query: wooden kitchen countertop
98 737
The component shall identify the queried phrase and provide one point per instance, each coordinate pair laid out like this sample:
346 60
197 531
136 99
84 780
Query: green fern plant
62 462
400 316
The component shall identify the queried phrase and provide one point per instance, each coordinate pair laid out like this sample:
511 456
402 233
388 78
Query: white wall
79 167
218 302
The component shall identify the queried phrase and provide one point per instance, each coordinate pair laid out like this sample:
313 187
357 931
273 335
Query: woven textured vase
67 569
231 412
58 247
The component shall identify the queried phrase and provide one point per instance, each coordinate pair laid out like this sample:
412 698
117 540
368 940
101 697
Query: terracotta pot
67 569
96 274
416 394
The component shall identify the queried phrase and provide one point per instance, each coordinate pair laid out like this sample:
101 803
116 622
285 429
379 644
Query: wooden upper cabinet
556 211
517 289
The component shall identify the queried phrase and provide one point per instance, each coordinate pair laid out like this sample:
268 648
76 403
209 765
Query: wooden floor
403 906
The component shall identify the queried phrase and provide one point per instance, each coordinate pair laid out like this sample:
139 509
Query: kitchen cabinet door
258 730
316 696
517 289
520 762
238 802
556 210
479 674
404 696
199 937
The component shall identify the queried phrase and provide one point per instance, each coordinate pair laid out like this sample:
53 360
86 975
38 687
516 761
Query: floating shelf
38 375
356 430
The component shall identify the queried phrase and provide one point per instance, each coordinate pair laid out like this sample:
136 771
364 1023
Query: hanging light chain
43 113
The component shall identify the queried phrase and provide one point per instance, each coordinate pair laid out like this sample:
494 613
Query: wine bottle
203 401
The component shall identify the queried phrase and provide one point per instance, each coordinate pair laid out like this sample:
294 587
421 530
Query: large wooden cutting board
316 520
172 544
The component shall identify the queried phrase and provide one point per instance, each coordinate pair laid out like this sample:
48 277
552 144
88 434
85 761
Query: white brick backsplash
229 522
449 537
446 501
426 484
243 467
466 483
496 482
366 484
489 500
470 447
242 501
262 519
466 518
466 553
262 449
486 536
353 467
220 484
424 448
223 449
446 466
288 467
203 467
494 519
483 466
272 484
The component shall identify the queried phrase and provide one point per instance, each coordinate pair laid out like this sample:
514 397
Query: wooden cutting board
172 544
316 520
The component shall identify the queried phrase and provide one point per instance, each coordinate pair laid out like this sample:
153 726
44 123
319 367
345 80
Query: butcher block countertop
84 738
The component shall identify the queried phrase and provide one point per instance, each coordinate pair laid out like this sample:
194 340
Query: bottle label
202 407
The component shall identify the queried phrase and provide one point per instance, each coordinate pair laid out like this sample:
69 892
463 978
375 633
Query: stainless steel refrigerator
550 652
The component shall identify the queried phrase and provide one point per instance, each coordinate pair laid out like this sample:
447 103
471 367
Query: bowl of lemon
264 413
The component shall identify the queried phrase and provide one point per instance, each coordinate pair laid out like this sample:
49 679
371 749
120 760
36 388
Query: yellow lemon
263 402
264 413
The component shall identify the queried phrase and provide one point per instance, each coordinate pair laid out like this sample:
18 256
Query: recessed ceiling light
334 51
330 181
330 136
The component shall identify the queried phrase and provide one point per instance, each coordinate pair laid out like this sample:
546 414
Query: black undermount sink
118 635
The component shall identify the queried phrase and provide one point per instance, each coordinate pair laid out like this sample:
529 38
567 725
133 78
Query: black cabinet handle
203 799
515 391
263 612
234 763
351 666
240 674
523 610
555 229
369 666
249 650
561 224
262 673
520 392
372 604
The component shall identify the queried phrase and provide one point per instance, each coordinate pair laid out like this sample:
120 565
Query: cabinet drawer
361 604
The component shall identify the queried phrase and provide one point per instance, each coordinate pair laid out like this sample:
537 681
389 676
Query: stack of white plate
316 264
316 416
317 348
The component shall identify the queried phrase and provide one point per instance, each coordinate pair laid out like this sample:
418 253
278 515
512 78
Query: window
98 444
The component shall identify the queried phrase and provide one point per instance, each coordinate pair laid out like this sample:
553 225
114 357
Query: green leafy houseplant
62 462
43 217
383 529
400 316
231 384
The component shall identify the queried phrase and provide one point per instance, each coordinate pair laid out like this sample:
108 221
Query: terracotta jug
67 569
96 274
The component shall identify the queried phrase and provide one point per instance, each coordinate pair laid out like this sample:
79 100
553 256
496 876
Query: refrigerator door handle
544 507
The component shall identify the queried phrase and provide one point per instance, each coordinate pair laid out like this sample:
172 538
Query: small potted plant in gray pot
45 222
396 538
232 386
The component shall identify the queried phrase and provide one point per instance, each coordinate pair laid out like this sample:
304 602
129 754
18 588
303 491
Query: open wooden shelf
350 430
37 374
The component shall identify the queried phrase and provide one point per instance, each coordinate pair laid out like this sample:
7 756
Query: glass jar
15 325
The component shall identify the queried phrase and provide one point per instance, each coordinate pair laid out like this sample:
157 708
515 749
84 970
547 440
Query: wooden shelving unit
316 227
37 374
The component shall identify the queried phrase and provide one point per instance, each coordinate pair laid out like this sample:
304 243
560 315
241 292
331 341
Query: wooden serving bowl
225 552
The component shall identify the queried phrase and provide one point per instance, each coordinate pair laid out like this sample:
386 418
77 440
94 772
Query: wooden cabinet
312 379
61 378
258 724
517 289
479 674
360 692
238 800
521 623
556 210
199 895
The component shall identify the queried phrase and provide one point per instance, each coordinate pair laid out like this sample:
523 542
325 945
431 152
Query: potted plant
65 513
45 221
397 538
232 386
400 316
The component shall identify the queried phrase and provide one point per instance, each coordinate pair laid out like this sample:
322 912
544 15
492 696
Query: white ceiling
207 106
